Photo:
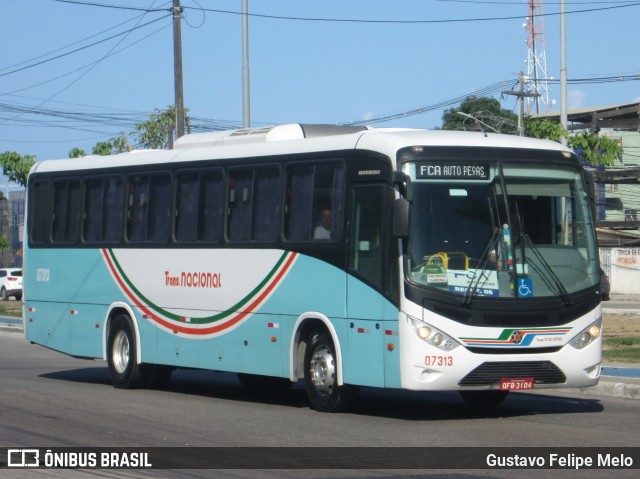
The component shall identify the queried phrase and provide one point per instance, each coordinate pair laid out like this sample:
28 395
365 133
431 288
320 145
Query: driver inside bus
494 261
323 230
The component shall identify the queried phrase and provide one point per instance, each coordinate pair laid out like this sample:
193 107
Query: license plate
519 384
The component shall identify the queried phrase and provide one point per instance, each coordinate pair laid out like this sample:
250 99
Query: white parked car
10 283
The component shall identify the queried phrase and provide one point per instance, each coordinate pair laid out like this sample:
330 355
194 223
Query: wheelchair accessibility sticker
525 287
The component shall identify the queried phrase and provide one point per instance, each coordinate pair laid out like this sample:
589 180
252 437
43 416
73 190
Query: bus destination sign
452 171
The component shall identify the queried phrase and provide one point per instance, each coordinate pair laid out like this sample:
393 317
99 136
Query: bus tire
484 399
320 376
122 349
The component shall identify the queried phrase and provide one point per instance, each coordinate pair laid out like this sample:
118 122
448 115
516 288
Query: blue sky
302 70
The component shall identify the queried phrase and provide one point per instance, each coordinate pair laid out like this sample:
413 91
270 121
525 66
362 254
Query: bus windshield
501 230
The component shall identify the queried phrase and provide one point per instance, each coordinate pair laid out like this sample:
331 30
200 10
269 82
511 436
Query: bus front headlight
587 335
431 335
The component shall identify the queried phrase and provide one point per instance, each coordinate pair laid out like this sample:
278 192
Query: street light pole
177 67
246 110
563 68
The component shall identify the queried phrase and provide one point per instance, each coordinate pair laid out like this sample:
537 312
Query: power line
127 119
485 91
87 65
410 22
70 44
82 48
613 5
117 7
90 68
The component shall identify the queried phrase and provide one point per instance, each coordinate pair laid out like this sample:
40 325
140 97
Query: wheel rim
323 370
120 352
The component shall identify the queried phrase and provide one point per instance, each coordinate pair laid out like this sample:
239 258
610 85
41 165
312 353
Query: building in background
12 227
617 188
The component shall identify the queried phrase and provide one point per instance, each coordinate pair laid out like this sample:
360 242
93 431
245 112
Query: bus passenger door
367 307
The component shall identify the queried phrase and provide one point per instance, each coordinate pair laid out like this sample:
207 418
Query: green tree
119 144
159 130
77 153
102 148
486 114
16 167
596 150
591 148
544 129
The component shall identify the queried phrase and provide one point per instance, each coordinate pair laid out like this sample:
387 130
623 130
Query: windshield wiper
475 283
546 273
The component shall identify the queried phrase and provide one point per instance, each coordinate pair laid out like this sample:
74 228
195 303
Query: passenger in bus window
323 230
494 261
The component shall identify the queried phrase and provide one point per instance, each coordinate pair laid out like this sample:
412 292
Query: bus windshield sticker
449 171
460 281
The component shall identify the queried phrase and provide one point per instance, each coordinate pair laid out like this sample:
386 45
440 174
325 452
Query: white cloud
368 116
576 99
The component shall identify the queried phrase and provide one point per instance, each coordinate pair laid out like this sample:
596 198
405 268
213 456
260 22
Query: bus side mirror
401 215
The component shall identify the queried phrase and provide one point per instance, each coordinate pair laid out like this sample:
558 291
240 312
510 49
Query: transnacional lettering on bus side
193 280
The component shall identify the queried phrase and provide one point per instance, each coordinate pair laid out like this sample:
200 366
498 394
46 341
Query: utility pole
246 110
521 94
177 67
563 68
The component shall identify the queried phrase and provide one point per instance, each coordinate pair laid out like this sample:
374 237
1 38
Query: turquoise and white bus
339 256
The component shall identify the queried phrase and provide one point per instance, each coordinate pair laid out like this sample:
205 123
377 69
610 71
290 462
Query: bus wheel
125 372
320 377
484 399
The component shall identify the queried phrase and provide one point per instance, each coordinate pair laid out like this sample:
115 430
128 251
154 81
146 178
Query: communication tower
536 80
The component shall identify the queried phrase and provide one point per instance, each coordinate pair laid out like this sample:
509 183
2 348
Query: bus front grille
490 373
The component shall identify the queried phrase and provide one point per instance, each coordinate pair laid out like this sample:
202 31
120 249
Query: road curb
607 387
619 311
11 328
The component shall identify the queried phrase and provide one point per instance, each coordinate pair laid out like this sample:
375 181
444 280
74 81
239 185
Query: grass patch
11 309
623 350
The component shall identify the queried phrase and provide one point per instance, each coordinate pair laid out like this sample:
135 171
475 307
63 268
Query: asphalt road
51 400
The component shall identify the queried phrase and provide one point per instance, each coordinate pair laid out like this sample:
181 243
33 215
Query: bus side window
113 211
93 210
39 212
299 203
137 208
186 226
199 206
211 207
266 207
159 208
314 191
149 208
103 210
328 197
66 212
240 201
